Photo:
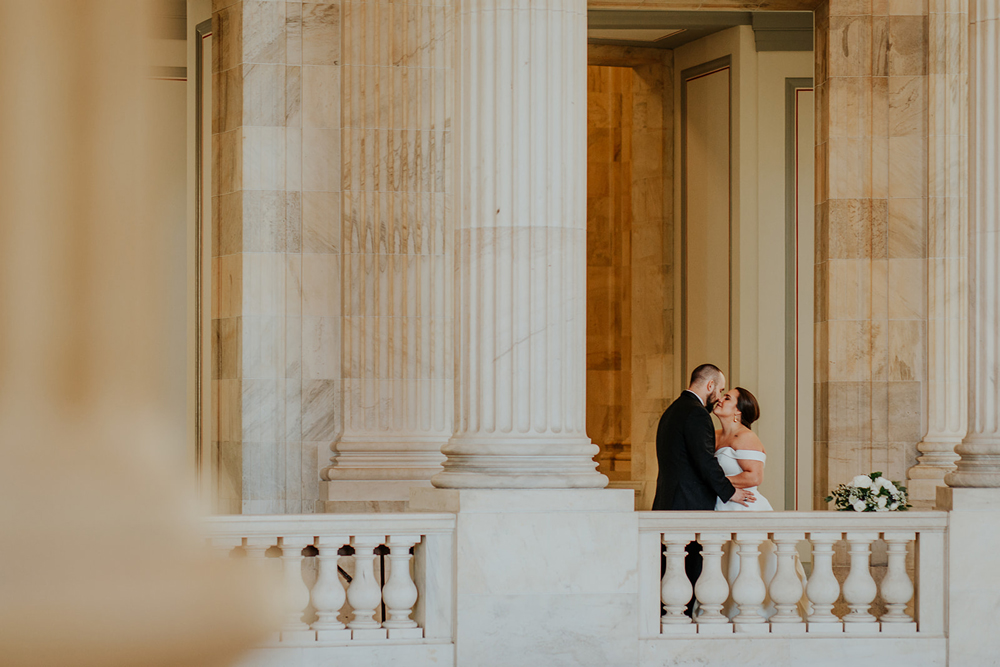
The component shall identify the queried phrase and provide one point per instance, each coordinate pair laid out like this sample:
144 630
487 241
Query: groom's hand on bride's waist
743 497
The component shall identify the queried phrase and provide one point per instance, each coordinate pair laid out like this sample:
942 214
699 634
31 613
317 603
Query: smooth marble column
947 238
979 465
521 249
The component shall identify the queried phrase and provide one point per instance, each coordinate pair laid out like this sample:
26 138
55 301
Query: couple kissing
704 469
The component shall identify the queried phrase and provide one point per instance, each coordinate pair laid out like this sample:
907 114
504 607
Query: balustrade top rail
792 521
243 525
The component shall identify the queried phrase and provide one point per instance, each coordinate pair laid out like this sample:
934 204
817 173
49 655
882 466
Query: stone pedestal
543 577
974 519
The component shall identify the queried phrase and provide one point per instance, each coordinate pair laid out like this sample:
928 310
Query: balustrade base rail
408 654
817 651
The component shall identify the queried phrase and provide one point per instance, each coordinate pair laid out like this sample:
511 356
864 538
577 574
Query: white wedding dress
729 459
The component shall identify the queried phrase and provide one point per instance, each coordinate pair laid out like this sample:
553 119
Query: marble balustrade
913 604
349 578
345 579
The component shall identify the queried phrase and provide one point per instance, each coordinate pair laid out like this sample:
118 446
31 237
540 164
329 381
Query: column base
937 459
366 470
520 463
979 465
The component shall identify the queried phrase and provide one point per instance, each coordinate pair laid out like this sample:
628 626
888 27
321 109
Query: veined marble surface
544 577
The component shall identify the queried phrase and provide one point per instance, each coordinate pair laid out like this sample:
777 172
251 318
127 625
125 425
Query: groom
690 477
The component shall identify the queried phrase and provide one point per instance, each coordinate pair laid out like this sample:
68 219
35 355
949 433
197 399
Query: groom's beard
710 405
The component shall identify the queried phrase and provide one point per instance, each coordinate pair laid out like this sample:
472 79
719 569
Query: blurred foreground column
102 538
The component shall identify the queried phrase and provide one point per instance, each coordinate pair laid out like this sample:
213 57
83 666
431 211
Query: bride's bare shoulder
748 440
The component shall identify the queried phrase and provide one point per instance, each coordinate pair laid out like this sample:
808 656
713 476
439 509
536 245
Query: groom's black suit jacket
690 478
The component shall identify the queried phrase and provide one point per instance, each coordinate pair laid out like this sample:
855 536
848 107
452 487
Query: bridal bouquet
870 493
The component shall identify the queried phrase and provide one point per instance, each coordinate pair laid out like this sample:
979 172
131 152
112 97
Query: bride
741 455
739 450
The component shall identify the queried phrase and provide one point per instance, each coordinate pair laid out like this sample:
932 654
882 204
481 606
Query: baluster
364 593
328 594
676 588
295 589
860 588
897 589
748 589
712 589
786 587
823 588
400 593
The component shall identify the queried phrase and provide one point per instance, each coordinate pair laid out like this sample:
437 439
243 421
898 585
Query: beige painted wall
770 386
805 302
706 282
757 242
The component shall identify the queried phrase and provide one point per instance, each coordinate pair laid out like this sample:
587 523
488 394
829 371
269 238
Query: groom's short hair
704 373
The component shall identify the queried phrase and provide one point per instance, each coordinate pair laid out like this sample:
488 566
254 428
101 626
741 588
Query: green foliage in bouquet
870 493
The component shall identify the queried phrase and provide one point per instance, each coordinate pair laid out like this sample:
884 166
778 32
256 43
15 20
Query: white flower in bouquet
862 482
870 493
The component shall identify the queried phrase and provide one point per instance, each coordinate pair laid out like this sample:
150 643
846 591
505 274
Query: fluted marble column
947 271
979 465
521 249
398 366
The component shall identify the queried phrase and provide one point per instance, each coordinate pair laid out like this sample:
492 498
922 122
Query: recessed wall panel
706 211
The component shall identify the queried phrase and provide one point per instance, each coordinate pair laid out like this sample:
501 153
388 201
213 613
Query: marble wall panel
871 250
277 267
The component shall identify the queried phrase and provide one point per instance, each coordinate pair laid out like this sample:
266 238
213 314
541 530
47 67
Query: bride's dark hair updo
748 407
